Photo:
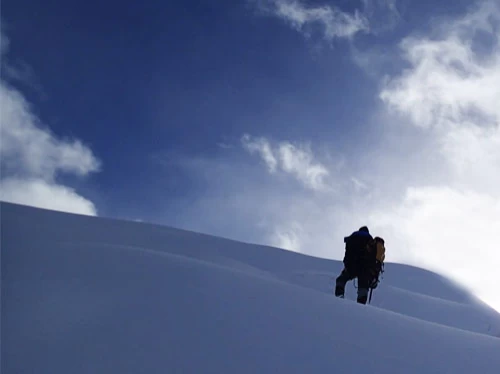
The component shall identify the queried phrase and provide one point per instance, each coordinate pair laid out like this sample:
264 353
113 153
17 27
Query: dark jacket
356 250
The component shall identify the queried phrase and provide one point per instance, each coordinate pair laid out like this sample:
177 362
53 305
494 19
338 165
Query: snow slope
91 295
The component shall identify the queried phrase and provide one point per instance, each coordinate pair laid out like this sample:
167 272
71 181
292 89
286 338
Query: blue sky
289 123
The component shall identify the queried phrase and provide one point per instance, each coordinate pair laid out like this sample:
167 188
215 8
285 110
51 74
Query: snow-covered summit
92 295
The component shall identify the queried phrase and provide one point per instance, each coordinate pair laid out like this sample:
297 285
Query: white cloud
43 194
35 151
373 16
31 157
333 22
452 91
296 160
450 80
299 161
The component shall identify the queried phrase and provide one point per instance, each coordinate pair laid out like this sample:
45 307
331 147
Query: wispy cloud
450 80
31 156
383 15
359 185
333 22
263 148
329 21
296 160
299 161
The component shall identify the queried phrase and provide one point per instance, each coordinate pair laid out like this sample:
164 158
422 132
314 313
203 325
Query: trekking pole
370 299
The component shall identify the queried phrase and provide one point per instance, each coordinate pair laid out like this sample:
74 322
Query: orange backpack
377 246
376 251
380 248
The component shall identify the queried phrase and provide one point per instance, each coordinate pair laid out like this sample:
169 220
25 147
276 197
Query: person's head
378 239
364 228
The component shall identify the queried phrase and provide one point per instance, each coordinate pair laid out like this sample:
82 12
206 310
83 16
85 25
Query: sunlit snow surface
91 295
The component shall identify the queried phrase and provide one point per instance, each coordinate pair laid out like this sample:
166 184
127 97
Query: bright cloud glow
334 22
288 237
452 232
473 153
31 156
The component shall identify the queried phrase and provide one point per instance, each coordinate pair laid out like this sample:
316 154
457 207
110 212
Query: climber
363 259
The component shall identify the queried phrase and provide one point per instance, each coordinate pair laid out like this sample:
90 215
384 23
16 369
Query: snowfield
92 295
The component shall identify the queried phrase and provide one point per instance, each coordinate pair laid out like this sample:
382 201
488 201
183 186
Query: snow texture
83 294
